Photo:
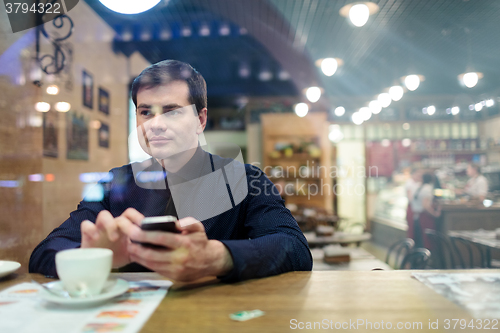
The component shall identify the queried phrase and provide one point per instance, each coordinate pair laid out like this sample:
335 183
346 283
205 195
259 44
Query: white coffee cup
84 272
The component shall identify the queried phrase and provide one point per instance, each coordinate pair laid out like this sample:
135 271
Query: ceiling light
359 12
186 31
329 66
339 111
224 30
62 106
335 134
406 142
283 75
365 113
357 118
470 79
412 82
265 75
455 110
384 99
431 110
53 90
490 103
478 107
396 93
406 126
313 94
204 30
301 109
375 107
42 107
129 6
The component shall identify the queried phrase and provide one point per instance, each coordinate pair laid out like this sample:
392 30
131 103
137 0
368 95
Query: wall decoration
103 136
77 136
103 101
88 89
50 131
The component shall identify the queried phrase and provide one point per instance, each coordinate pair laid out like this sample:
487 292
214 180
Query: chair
466 249
442 249
399 250
416 259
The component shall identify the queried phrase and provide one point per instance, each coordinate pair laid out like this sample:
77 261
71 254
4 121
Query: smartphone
158 223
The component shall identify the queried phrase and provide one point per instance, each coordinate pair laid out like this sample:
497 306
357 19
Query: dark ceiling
436 38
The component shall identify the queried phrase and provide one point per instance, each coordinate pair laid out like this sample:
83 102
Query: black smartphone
158 223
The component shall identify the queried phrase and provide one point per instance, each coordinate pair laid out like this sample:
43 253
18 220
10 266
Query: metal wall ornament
55 62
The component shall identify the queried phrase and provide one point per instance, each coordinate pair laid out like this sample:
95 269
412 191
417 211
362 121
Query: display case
391 205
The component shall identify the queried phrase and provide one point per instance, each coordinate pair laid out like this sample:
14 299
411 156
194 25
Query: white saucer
118 288
7 267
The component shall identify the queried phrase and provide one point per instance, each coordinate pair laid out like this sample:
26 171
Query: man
477 185
245 230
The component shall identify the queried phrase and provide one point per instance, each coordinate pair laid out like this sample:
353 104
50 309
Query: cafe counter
389 221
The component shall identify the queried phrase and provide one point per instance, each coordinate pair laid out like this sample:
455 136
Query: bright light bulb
53 90
313 94
478 107
470 79
359 14
129 6
42 107
339 111
301 109
396 93
329 66
455 110
385 143
62 106
412 82
490 103
365 113
357 118
384 99
375 107
335 134
406 142
431 110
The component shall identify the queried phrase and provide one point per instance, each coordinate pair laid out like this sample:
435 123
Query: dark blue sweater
259 232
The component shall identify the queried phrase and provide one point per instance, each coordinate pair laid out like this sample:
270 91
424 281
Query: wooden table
361 260
337 296
336 238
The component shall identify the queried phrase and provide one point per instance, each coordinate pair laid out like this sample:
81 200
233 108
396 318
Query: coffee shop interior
340 109
376 121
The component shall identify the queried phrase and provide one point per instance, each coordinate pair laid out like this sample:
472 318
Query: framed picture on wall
103 135
50 131
77 136
88 89
103 101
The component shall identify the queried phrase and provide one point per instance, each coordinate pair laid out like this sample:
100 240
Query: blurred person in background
425 211
477 185
411 186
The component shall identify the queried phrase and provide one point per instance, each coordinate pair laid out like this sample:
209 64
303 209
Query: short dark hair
167 71
427 178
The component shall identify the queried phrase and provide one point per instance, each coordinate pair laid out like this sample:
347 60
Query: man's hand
189 255
105 233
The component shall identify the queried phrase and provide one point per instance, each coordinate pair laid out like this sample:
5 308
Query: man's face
167 123
471 172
